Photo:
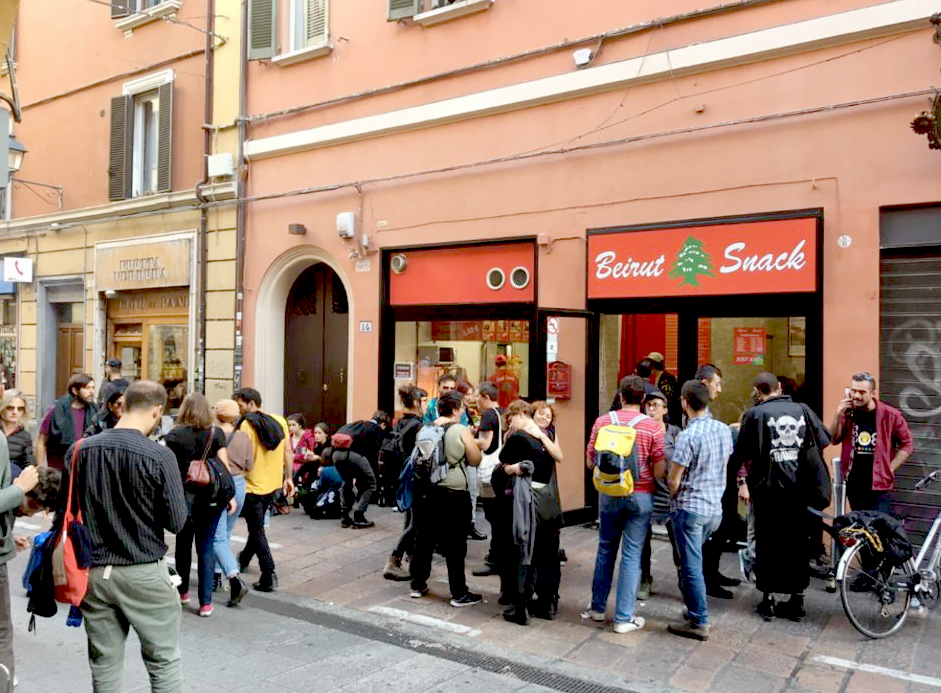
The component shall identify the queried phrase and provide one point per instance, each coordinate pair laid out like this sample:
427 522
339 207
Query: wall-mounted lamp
15 154
111 293
297 229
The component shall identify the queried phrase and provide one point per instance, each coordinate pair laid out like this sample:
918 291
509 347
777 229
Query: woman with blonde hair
12 421
238 447
193 438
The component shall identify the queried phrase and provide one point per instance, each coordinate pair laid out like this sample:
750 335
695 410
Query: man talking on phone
876 442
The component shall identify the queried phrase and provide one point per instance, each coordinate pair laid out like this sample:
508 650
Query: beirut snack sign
759 257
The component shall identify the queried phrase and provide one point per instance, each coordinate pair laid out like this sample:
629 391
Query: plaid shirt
704 449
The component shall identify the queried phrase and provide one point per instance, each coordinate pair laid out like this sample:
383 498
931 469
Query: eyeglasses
15 408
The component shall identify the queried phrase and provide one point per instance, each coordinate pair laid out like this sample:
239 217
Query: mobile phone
847 394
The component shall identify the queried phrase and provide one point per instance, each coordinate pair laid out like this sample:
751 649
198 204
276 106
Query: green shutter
120 155
400 9
165 138
262 29
120 8
317 29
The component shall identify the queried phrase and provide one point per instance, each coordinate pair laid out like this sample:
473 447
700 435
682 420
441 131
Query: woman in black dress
533 568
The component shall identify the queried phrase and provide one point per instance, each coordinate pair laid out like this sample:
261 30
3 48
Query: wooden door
70 354
315 345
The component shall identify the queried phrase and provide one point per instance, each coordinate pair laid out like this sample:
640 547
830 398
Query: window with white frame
122 8
145 143
141 138
304 35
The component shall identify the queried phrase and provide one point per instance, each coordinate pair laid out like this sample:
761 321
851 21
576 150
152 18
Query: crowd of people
658 457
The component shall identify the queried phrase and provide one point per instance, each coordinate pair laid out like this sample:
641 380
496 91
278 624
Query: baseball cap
656 357
341 441
654 394
500 360
113 363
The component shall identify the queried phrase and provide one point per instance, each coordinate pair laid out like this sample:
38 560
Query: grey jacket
10 499
524 512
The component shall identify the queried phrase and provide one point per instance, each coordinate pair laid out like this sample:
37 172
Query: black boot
766 609
360 521
792 609
268 583
346 520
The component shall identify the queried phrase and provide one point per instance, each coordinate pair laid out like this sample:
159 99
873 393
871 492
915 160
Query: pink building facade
510 179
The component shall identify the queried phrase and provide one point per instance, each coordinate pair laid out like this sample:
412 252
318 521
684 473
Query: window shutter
262 20
120 156
120 8
400 9
316 22
165 137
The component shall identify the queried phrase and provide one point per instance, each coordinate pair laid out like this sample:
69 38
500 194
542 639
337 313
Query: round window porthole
519 278
496 278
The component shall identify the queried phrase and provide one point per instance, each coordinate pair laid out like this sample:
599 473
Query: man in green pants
130 491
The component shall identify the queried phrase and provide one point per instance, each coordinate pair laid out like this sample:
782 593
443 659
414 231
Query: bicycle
875 591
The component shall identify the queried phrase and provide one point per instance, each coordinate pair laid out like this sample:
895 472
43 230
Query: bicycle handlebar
928 479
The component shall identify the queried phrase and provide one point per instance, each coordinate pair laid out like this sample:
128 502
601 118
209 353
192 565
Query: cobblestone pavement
336 624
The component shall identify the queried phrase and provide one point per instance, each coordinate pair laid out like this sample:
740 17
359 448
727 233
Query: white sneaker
636 623
593 615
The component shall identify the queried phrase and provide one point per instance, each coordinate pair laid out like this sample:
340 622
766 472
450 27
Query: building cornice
183 200
799 37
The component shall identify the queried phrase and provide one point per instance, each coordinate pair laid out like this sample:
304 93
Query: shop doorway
316 320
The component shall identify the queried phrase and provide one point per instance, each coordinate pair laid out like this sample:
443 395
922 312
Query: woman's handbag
198 473
71 555
489 462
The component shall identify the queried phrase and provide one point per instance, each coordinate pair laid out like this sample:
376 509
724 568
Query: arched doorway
316 322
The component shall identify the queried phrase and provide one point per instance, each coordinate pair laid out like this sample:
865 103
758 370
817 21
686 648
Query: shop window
474 351
166 364
744 347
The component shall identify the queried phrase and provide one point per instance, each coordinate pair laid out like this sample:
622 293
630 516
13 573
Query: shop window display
475 350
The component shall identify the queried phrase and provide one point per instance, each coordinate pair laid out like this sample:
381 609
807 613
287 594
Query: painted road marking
873 669
421 620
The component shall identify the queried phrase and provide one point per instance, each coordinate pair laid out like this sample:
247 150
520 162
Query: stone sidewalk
343 567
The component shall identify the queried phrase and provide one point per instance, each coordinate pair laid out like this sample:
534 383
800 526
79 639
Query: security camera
582 57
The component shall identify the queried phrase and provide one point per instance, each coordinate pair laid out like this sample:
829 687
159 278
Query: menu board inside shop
500 331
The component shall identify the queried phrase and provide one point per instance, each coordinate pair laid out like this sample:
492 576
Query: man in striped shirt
697 482
130 491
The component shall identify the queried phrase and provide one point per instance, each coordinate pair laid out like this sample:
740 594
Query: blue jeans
691 533
222 544
628 517
201 528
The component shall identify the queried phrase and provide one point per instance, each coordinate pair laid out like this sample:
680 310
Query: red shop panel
501 273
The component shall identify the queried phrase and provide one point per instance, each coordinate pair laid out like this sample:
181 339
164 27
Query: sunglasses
15 408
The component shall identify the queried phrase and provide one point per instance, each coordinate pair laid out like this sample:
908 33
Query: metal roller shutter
910 362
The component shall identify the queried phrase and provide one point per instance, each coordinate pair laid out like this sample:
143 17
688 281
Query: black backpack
392 452
367 438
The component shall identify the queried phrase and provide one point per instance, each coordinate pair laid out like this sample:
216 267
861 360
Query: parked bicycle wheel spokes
875 593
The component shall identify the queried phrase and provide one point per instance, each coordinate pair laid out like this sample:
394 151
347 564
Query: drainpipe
203 240
242 175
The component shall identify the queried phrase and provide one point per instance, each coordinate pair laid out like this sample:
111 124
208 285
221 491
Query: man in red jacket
876 442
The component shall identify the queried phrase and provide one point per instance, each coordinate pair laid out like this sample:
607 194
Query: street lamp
15 155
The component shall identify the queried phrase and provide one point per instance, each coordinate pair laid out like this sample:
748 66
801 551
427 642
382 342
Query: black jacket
780 431
61 431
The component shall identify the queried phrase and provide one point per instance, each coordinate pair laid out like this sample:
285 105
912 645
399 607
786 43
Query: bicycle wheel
875 597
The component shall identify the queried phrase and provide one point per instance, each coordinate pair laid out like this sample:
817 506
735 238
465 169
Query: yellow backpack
616 468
